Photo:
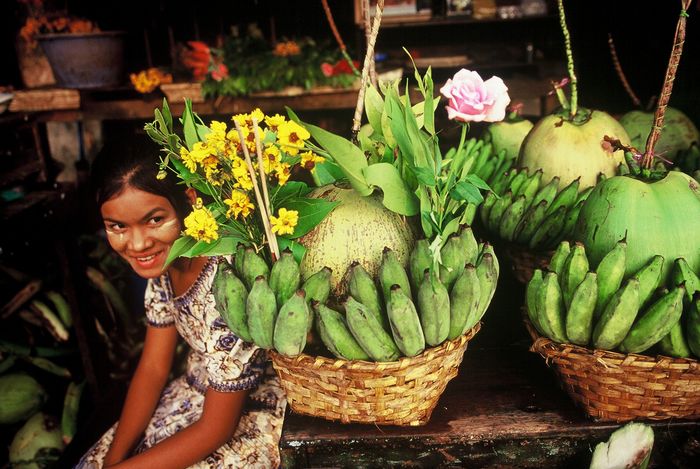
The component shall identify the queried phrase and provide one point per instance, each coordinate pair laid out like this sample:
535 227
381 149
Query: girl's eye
114 227
155 220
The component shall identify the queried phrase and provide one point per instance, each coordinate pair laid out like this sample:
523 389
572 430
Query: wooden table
504 409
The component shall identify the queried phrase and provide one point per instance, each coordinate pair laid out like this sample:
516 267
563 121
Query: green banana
566 197
261 307
548 192
405 323
363 289
583 195
318 286
497 211
454 257
487 271
517 182
500 173
530 221
649 277
674 344
50 320
482 157
692 326
611 271
550 308
291 325
369 333
238 259
61 306
469 244
533 287
573 272
579 317
487 169
570 220
71 407
433 302
530 187
485 248
335 333
419 260
285 276
511 217
253 266
500 186
683 274
548 231
556 263
655 322
464 302
618 316
486 206
230 299
391 272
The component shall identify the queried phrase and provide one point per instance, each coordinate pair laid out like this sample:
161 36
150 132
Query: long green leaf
188 124
327 173
180 246
167 115
311 213
397 197
429 117
298 250
347 156
374 105
466 191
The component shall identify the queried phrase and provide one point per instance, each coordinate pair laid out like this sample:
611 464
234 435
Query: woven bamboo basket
402 392
525 262
619 387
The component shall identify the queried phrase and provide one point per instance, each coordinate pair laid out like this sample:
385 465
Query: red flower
327 69
197 59
219 72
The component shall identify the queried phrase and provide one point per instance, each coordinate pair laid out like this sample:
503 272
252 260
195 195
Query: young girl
227 410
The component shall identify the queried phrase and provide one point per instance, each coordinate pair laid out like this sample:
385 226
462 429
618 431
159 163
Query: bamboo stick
272 239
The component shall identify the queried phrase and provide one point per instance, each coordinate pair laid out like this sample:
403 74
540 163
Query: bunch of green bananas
571 303
267 306
410 308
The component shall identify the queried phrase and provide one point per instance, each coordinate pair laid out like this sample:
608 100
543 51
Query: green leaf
425 176
327 173
298 250
162 126
167 115
429 117
374 105
311 213
425 220
396 195
180 246
466 191
478 182
190 178
188 124
347 156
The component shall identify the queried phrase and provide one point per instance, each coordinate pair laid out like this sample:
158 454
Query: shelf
388 23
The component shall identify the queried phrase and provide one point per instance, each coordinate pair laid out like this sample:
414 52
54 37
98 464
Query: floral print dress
218 360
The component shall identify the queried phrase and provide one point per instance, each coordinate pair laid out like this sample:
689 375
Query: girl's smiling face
141 227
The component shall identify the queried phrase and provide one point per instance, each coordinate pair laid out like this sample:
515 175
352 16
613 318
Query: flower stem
338 38
369 58
673 61
274 247
569 59
258 196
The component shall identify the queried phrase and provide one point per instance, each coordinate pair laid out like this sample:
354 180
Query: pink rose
471 99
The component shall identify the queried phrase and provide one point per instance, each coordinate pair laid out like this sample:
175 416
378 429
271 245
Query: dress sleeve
232 363
158 306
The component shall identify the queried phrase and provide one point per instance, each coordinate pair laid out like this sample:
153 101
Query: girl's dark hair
135 163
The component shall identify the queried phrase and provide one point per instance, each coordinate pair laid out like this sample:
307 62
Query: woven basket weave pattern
403 392
525 262
612 386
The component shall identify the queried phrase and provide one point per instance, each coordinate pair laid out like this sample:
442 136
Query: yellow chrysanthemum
250 139
188 159
211 168
217 137
271 156
239 204
291 137
285 222
273 122
241 174
201 224
309 160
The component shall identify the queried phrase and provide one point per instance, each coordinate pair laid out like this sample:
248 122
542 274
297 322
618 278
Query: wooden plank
45 99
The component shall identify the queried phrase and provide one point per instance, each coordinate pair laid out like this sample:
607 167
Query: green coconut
20 397
629 447
660 217
508 135
38 444
573 148
678 132
356 230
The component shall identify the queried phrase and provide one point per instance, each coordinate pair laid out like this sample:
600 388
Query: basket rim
549 349
319 361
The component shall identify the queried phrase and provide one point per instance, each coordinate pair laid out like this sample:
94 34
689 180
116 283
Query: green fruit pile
521 209
601 308
688 161
405 311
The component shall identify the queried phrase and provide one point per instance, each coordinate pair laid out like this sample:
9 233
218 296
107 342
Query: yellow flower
291 137
211 168
146 80
282 171
217 137
285 222
239 204
188 159
309 160
201 224
241 174
271 156
273 122
258 115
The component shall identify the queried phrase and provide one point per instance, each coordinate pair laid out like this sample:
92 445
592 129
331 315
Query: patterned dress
218 360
